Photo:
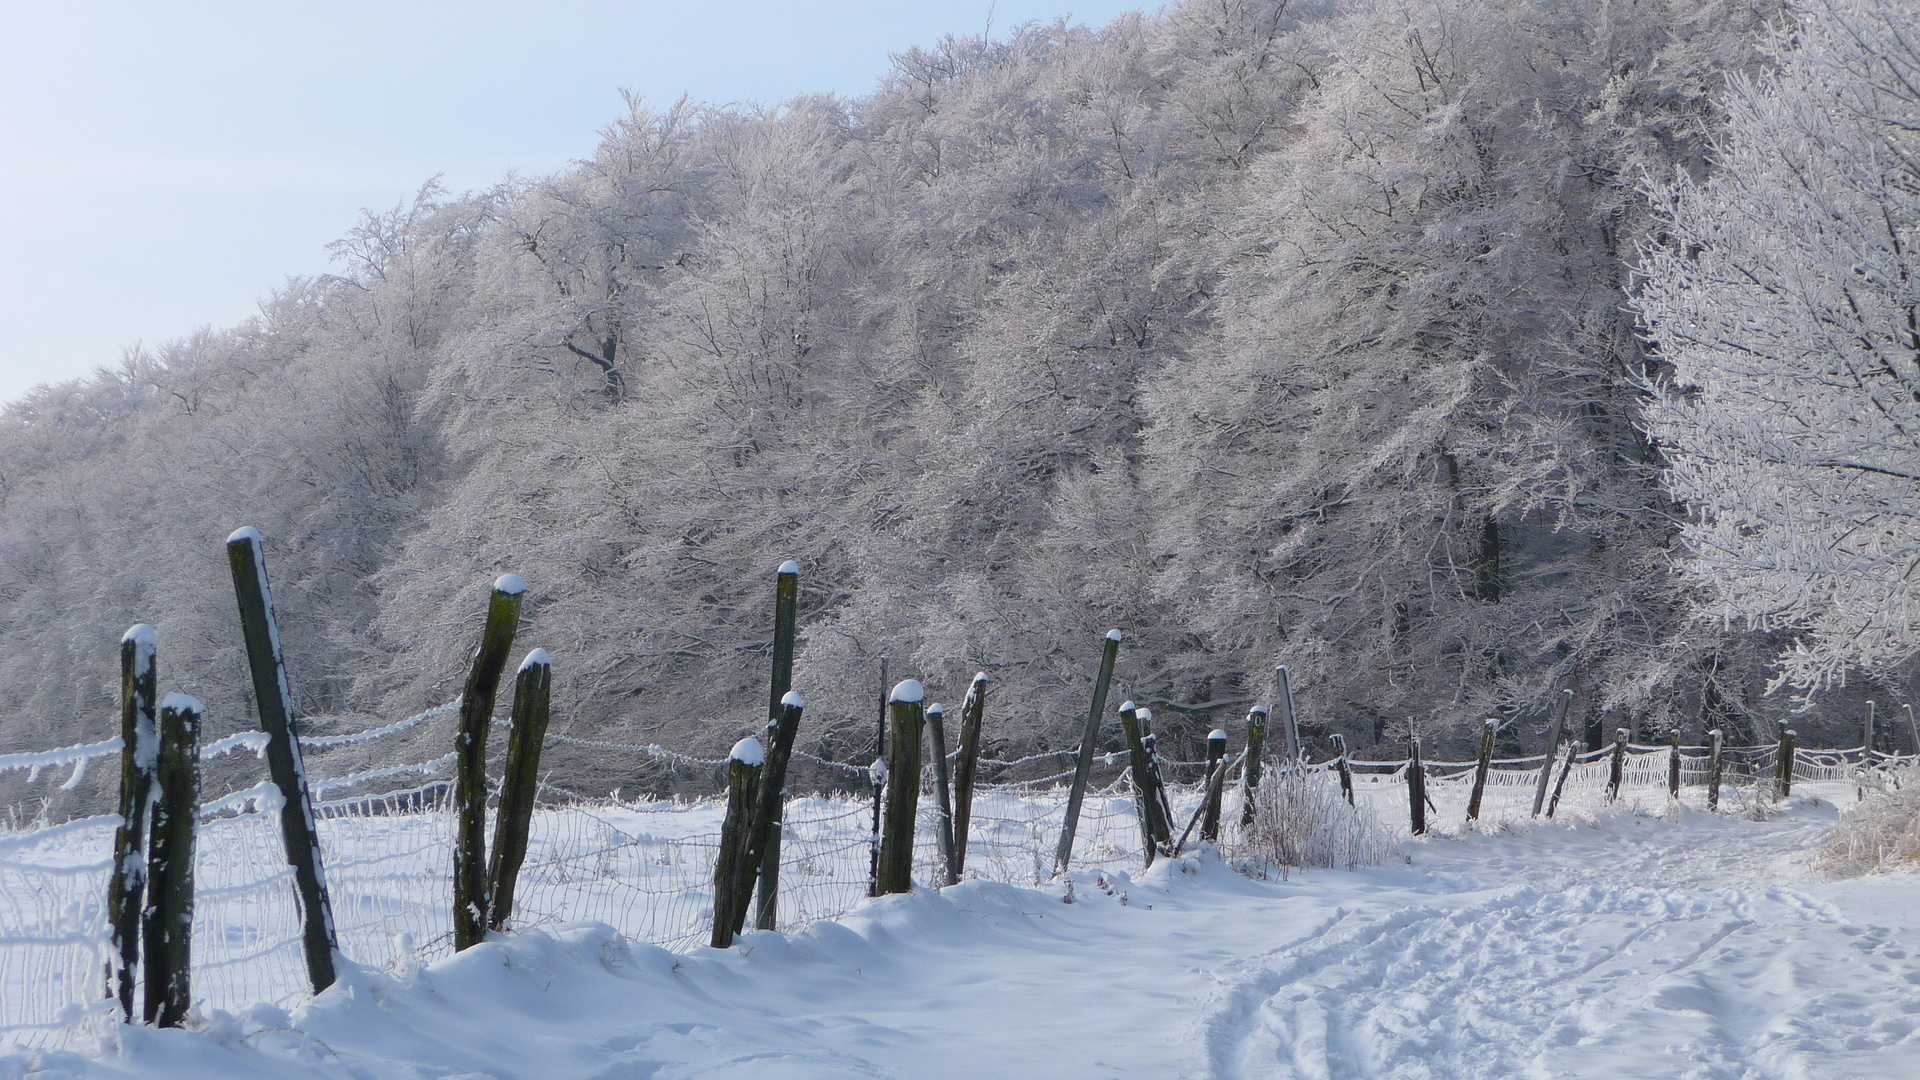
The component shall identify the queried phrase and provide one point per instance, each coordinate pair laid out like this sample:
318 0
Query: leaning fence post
769 811
1480 768
903 787
168 922
1216 753
139 753
470 902
1866 736
971 714
1162 817
1144 804
1616 771
1714 764
942 791
743 783
275 703
1250 768
1573 751
1089 742
1913 728
1553 745
532 695
1416 786
1346 768
1783 770
1289 721
1673 763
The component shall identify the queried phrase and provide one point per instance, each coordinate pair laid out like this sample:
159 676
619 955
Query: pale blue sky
165 164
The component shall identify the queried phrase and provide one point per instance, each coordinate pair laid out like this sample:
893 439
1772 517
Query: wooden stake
1913 728
1481 766
1255 760
1783 768
139 755
470 900
1554 735
786 604
1216 754
971 715
1616 772
1346 768
1714 765
1144 804
903 787
274 700
743 785
1416 786
1162 816
769 812
877 773
1214 787
513 822
1573 751
1089 742
1289 721
1866 736
942 793
168 922
1673 764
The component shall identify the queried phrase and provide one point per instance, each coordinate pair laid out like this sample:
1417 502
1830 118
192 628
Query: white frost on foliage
908 692
748 752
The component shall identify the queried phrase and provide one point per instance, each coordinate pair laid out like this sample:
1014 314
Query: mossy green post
1554 735
1256 757
763 839
1089 742
967 768
513 821
168 923
1216 762
470 899
1481 766
743 788
1716 766
907 704
1783 768
139 751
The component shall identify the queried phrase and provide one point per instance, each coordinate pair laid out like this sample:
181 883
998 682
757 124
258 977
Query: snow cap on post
511 584
936 707
979 676
792 700
244 532
536 658
789 567
140 634
908 691
748 752
1217 733
1145 714
1113 635
1127 705
182 703
1261 709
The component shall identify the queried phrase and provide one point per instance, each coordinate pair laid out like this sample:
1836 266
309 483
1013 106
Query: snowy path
1646 948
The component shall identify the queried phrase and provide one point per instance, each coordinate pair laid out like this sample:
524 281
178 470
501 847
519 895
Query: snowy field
1642 940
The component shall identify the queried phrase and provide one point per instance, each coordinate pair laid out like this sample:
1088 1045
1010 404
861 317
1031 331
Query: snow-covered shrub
1300 819
1882 831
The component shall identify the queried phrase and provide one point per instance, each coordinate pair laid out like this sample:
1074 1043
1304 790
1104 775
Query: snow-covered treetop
748 752
142 635
181 703
792 700
789 567
908 691
244 532
1113 635
1217 734
511 584
536 658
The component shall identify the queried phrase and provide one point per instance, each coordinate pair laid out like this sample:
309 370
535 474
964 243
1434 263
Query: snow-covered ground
1634 944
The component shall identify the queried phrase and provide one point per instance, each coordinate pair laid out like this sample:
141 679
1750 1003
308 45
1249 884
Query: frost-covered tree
1784 298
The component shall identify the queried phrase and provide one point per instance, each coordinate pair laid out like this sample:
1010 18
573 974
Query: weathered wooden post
1866 736
877 775
470 900
1481 766
743 787
1289 720
786 606
769 813
139 755
1255 759
1345 766
1554 734
903 787
1214 790
1144 804
1616 771
1416 785
1783 768
1089 742
1913 728
1673 764
1162 818
513 822
168 922
1573 751
274 700
942 793
967 768
1714 767
1216 754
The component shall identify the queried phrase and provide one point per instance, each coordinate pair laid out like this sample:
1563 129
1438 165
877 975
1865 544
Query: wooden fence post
1783 770
1144 804
1554 735
942 791
470 900
1616 772
1089 742
139 755
1256 757
1573 751
786 604
274 700
168 921
1289 720
1162 817
1346 768
1673 764
769 813
1216 753
532 697
1214 788
967 768
877 773
1866 736
743 784
1714 763
1481 766
1913 728
903 787
1416 786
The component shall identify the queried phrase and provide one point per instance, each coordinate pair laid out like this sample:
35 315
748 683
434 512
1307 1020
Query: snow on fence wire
644 868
